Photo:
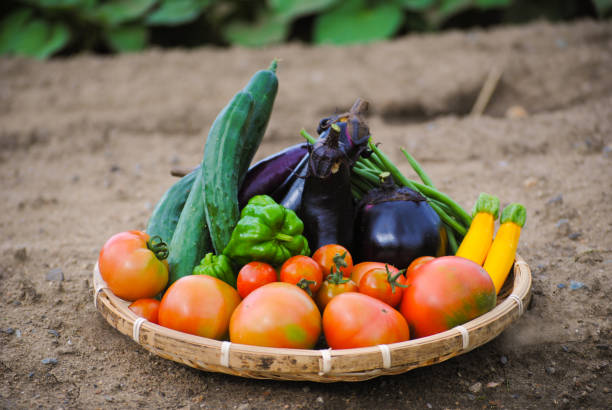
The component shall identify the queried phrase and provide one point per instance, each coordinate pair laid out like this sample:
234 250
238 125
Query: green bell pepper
266 232
217 266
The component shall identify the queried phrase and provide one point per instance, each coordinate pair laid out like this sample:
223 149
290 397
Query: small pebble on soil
49 360
55 275
476 387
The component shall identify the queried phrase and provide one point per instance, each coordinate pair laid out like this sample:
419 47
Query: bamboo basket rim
322 365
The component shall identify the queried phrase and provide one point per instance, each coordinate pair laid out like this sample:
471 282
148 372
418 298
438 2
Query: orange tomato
200 305
276 315
444 293
382 284
147 308
361 268
418 262
130 265
254 275
356 320
334 285
326 254
302 271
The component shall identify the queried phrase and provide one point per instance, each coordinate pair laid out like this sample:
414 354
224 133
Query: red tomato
277 315
147 308
200 305
357 320
327 255
415 264
382 284
334 285
133 265
254 275
301 270
444 293
361 268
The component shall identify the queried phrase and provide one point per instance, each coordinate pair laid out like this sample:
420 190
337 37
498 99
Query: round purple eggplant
396 225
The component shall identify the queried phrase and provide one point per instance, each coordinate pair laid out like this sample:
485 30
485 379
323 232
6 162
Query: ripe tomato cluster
365 304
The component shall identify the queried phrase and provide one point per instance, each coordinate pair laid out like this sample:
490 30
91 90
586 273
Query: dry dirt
86 145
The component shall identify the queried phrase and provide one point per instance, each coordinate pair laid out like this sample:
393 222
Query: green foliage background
44 28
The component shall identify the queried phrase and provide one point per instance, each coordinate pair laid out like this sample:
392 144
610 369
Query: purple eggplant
267 175
396 225
289 194
327 203
353 141
355 132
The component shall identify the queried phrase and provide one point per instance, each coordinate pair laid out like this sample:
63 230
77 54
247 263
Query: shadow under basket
324 365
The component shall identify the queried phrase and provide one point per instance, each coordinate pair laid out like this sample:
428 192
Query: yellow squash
500 258
479 236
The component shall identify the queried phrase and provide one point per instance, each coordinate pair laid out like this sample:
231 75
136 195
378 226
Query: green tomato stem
159 248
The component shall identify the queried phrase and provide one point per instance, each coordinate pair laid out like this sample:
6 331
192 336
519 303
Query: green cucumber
191 240
166 214
222 159
263 87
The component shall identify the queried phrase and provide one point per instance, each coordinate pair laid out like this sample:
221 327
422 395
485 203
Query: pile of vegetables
325 238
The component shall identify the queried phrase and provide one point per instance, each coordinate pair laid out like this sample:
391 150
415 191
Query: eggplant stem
307 136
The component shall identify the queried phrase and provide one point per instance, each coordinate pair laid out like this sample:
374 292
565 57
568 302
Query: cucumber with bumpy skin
191 239
263 87
221 163
166 214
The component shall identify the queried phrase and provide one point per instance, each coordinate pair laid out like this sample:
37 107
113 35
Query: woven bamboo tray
325 365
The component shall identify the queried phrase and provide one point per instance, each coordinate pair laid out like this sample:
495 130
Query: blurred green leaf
120 11
490 4
10 29
267 29
59 36
603 7
32 38
355 22
127 38
290 9
416 5
175 12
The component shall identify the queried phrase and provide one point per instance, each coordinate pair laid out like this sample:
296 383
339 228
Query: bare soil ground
86 145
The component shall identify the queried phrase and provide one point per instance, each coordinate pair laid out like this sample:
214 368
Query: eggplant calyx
389 192
327 155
